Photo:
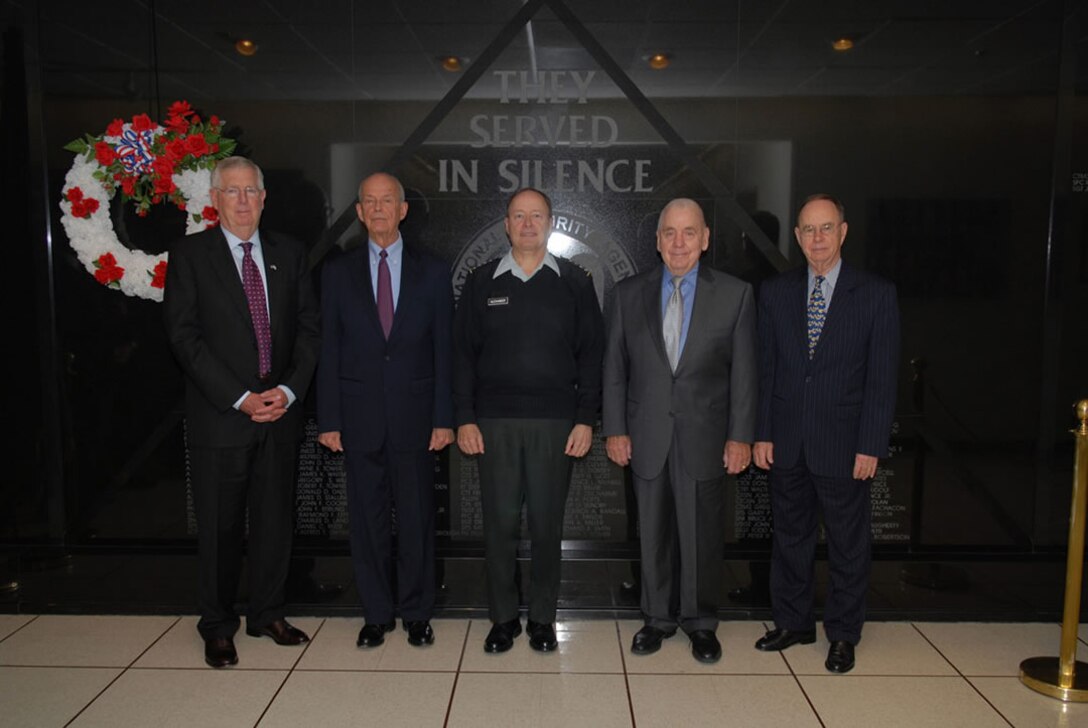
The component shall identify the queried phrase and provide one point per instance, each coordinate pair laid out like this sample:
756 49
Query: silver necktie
674 323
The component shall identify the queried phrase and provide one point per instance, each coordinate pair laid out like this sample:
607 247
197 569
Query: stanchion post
1064 677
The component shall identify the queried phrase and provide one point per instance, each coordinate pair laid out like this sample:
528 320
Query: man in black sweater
528 342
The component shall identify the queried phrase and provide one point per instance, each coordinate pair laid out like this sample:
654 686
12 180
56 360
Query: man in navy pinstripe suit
829 349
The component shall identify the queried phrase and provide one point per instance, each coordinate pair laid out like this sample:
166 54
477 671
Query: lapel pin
273 266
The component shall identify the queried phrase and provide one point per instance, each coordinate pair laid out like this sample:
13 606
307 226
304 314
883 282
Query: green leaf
76 145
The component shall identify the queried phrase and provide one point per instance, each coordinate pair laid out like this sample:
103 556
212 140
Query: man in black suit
242 321
383 398
680 408
829 348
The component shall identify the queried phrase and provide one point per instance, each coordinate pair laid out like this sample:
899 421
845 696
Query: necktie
817 312
385 295
673 323
258 309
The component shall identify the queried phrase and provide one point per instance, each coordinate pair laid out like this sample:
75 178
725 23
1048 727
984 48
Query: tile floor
148 671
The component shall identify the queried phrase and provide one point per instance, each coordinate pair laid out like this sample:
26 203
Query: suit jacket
711 397
211 332
368 388
841 401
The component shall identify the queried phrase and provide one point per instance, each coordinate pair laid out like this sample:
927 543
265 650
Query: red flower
163 167
158 276
180 108
197 145
106 269
210 214
195 119
105 153
175 149
128 185
141 211
163 186
214 121
116 128
81 207
215 148
142 122
177 124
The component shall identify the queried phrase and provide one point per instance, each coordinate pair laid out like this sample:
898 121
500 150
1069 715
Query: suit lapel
275 268
651 297
841 300
410 272
797 310
701 312
360 274
222 262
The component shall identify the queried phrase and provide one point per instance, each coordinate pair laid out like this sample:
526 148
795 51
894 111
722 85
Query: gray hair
396 183
680 202
235 163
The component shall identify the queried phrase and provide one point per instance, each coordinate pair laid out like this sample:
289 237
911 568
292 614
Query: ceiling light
842 44
245 47
659 61
451 63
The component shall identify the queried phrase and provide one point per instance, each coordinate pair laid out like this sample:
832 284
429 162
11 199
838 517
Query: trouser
523 461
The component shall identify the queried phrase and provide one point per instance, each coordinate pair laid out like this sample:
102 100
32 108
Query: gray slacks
681 521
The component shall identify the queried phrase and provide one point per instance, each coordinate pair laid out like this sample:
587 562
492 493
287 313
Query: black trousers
377 481
795 495
524 461
226 483
682 527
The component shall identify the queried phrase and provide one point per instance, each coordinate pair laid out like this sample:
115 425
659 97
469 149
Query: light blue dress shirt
830 279
508 264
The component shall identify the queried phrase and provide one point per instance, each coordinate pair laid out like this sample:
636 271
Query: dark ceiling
337 49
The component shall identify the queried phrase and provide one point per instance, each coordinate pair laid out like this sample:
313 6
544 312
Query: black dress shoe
501 637
541 636
372 635
419 632
281 633
705 646
840 657
780 639
648 640
220 652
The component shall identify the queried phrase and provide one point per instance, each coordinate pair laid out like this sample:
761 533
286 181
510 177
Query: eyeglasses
808 231
235 192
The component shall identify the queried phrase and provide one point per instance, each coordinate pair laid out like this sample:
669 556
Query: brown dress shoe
281 633
220 652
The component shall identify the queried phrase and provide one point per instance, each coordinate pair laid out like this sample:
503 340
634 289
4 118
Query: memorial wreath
150 165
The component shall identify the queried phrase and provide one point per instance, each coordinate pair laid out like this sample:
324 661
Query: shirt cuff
290 395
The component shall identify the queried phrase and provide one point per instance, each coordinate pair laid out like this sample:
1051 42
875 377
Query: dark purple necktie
385 295
258 310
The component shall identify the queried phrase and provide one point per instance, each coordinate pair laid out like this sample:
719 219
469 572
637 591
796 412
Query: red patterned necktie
385 295
258 309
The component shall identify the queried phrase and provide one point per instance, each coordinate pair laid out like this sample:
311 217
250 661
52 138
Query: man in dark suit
247 358
829 348
383 398
679 407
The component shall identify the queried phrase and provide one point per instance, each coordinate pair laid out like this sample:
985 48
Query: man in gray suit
679 407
